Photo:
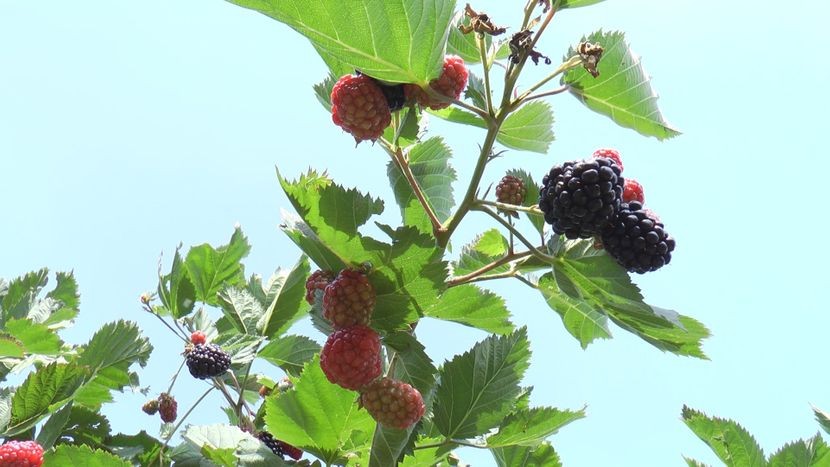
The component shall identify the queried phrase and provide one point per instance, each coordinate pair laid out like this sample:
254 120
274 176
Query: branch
547 93
403 165
459 280
484 63
512 207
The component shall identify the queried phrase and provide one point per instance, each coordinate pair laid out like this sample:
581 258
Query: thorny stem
179 424
512 207
482 49
466 278
536 252
403 165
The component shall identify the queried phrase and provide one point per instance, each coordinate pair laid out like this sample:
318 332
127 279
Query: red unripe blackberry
511 190
359 106
451 84
638 240
207 360
167 408
579 198
198 337
151 407
351 357
612 154
633 191
318 280
349 299
393 404
21 454
280 448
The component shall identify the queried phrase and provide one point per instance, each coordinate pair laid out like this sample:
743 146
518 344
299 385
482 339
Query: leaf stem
173 380
535 251
450 442
572 62
548 93
403 165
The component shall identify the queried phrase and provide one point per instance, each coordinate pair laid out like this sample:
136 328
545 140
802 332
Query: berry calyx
318 280
637 239
450 84
579 198
359 106
633 191
511 190
167 408
612 154
351 357
207 360
349 299
198 337
279 448
21 454
392 403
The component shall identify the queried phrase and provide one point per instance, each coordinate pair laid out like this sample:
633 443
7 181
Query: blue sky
128 127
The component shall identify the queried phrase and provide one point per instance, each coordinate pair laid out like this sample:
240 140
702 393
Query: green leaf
483 250
322 91
5 407
597 283
212 269
823 419
11 347
694 463
66 454
43 392
429 163
729 441
176 290
141 448
35 338
400 41
407 125
530 427
531 197
529 129
521 456
241 347
21 293
414 367
228 445
66 294
52 429
472 306
319 417
582 320
576 3
85 426
284 298
477 389
800 453
290 353
456 115
623 89
116 343
242 310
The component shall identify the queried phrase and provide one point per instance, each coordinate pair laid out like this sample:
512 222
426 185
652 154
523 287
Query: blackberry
151 407
349 299
167 408
392 403
394 94
579 198
637 239
279 448
511 190
318 280
207 360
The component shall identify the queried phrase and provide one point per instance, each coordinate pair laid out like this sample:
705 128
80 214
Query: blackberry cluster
579 198
207 360
637 239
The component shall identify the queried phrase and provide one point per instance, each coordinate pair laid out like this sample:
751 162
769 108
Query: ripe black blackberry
637 239
207 360
579 198
394 94
279 448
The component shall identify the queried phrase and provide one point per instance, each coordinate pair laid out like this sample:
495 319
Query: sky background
128 127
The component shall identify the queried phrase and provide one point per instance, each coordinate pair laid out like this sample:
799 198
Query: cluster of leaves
737 448
58 402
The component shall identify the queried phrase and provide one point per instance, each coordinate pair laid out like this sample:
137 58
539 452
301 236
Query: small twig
482 44
547 93
512 207
403 165
450 442
523 279
487 268
173 380
572 62
148 309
